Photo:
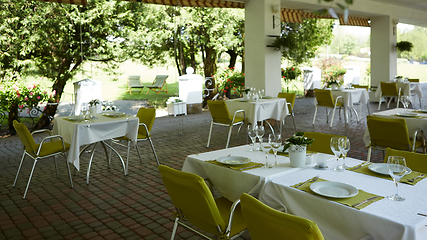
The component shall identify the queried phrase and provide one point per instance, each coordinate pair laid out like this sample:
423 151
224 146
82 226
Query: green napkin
242 167
365 170
361 196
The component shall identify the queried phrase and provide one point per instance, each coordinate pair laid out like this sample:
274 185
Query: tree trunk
13 115
233 58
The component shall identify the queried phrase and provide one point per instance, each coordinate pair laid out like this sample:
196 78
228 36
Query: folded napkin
363 168
360 197
242 167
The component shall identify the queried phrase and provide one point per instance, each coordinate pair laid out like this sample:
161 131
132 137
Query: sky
367 31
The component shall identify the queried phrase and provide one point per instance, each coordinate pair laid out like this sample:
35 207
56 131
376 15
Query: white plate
334 189
233 160
113 114
408 114
76 118
381 168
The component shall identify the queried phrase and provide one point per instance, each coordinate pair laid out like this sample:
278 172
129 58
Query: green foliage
290 73
299 42
332 71
404 46
297 139
230 80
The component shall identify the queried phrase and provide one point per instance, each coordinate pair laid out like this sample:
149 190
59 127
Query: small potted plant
297 145
176 106
404 46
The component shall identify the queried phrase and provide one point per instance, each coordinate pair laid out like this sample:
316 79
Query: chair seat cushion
49 148
139 137
224 206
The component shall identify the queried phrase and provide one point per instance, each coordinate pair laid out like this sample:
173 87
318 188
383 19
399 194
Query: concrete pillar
383 50
262 63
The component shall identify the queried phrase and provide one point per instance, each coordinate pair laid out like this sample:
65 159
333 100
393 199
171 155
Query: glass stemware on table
266 147
260 131
336 147
275 140
252 135
396 166
405 100
345 147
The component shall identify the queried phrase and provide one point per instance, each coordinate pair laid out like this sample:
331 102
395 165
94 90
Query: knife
361 165
309 180
365 201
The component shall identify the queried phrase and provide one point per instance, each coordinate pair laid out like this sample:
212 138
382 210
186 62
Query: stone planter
297 155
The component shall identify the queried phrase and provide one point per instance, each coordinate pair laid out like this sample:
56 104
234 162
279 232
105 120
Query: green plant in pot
404 46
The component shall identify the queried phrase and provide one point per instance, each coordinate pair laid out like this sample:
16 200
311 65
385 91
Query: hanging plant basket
404 46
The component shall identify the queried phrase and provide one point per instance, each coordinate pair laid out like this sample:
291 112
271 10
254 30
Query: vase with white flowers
297 148
93 109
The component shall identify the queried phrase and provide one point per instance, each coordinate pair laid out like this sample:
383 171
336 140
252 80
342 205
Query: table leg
90 163
118 155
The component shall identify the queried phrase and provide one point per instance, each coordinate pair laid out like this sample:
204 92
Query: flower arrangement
290 73
15 94
332 71
94 102
231 81
173 100
297 139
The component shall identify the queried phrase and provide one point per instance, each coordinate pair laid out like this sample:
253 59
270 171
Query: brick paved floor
137 206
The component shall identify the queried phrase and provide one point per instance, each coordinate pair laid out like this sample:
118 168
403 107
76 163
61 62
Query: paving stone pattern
137 206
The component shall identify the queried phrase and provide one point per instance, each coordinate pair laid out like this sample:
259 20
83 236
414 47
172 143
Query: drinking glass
84 110
275 143
396 166
336 149
260 131
405 101
345 147
252 135
265 147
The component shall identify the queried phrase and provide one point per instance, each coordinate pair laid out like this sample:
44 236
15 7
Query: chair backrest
192 197
159 81
389 89
360 86
219 111
264 222
147 116
413 79
134 80
415 161
25 137
321 142
388 132
290 97
324 97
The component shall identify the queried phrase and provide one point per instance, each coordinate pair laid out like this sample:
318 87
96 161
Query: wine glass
265 147
252 135
275 143
260 131
396 166
405 101
345 147
336 149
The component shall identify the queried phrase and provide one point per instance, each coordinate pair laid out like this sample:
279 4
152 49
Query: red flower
225 90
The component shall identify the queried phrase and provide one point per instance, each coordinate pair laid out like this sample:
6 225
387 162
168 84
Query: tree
300 41
59 37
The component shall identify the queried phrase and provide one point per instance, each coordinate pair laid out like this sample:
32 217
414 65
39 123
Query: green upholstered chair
290 101
392 133
196 205
413 80
146 120
324 99
390 90
48 147
415 161
221 116
321 142
264 222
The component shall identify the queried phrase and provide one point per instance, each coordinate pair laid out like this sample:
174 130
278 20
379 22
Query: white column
383 50
262 63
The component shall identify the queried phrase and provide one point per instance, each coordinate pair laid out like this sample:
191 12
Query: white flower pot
297 155
334 86
92 111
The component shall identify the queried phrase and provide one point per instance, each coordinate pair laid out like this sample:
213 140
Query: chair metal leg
210 133
293 119
154 151
229 136
315 113
271 127
19 169
68 169
127 158
333 114
379 104
175 226
137 149
29 180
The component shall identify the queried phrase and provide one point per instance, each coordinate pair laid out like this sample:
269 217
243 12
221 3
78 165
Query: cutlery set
308 181
361 165
365 201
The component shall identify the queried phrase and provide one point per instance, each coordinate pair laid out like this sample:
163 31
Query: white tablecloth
102 128
232 183
413 124
384 219
261 110
351 96
406 88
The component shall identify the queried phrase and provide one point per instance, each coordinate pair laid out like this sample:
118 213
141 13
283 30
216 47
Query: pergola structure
262 64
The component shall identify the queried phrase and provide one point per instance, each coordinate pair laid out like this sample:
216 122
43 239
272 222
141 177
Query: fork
413 179
308 181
